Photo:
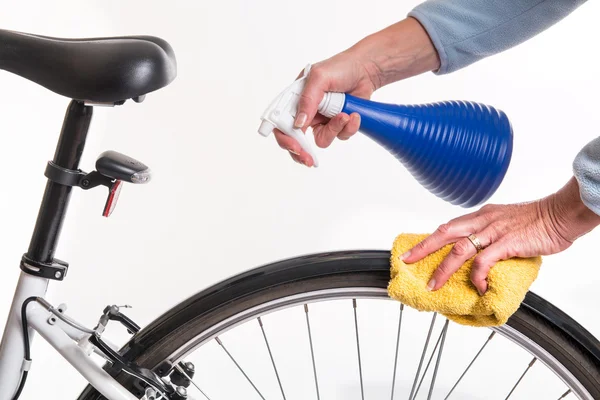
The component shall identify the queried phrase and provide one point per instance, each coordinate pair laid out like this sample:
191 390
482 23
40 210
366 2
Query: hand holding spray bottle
458 150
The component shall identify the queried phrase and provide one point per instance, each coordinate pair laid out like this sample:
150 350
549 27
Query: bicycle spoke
430 381
312 353
521 378
240 368
568 392
362 392
422 356
437 362
470 364
396 354
271 356
427 366
191 381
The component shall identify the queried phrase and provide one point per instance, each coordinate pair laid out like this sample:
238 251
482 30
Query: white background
223 198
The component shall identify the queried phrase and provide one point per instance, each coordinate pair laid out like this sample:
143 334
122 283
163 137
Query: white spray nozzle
266 127
282 111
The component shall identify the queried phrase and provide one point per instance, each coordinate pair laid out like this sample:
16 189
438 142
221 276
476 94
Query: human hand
346 72
537 228
397 52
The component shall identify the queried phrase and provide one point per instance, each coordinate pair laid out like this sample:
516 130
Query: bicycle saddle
102 70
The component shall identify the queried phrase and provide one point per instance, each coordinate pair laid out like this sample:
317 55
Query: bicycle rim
538 329
262 310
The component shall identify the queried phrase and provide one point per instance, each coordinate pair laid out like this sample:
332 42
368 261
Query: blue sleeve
465 31
586 168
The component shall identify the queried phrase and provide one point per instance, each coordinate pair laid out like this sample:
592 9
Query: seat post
56 196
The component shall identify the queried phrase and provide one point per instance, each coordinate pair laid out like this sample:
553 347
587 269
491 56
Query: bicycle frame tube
44 239
62 339
65 340
12 351
56 197
43 244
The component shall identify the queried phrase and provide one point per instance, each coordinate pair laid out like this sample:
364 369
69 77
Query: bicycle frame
70 342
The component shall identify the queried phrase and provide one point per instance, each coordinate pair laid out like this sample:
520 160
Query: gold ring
475 242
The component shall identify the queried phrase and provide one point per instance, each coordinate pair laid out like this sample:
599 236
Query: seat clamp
55 270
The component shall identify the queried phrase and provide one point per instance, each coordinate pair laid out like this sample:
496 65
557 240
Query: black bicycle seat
103 70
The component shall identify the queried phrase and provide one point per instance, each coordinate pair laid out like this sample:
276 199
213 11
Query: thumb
310 98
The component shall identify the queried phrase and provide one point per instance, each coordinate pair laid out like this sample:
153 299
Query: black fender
315 265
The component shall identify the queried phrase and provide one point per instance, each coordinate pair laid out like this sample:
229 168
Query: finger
325 134
460 253
287 142
290 144
310 98
443 235
447 233
500 250
318 120
351 127
296 158
479 219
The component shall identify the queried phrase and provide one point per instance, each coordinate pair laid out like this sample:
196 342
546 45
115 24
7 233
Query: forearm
568 215
446 35
465 31
397 52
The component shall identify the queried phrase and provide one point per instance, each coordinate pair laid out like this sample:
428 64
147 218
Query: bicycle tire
559 335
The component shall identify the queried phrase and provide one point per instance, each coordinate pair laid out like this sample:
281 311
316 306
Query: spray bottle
458 150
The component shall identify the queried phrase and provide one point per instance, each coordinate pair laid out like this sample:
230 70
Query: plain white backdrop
224 199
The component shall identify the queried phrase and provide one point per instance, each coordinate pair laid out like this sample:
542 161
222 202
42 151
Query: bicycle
155 362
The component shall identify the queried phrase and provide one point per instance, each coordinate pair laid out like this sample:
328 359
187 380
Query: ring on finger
475 240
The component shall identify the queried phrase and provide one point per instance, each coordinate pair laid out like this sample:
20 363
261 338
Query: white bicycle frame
70 342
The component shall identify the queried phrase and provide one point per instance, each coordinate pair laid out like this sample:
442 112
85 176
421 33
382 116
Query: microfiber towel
458 299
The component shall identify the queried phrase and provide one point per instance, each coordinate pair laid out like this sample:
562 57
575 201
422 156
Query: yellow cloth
458 299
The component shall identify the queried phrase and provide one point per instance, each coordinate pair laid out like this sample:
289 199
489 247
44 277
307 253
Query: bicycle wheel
543 338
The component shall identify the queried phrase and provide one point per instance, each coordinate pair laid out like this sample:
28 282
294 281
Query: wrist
571 217
397 52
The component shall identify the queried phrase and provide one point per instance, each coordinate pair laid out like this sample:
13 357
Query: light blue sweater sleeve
586 169
466 31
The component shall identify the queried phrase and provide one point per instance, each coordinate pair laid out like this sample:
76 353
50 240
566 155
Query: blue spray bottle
458 150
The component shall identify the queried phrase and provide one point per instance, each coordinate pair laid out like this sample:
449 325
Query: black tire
563 338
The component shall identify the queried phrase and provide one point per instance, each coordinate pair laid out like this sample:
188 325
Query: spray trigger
281 114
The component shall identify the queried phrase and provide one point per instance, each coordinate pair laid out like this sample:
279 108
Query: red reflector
113 196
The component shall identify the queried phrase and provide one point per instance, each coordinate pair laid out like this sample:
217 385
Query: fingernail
293 152
431 285
345 119
300 120
405 256
480 292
